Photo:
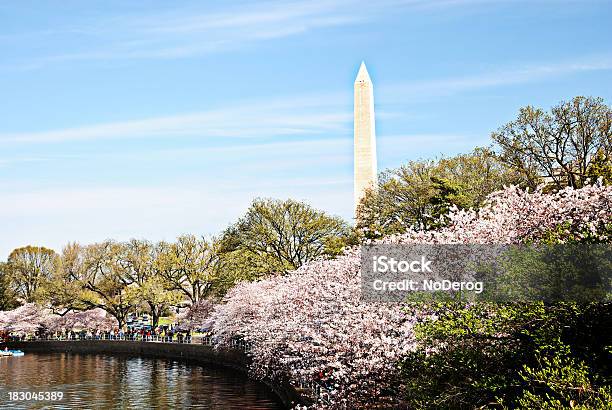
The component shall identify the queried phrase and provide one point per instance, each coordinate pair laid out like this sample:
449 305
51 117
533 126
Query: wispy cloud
271 118
307 115
261 162
495 77
11 161
188 32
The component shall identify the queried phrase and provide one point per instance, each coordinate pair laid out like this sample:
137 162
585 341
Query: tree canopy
559 147
420 193
28 268
7 296
283 235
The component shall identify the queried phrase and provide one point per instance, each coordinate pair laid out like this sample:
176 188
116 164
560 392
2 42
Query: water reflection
104 382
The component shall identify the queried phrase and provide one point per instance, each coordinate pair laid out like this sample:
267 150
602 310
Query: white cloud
271 118
497 77
309 115
186 32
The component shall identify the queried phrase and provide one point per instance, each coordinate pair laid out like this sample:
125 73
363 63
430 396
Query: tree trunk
154 318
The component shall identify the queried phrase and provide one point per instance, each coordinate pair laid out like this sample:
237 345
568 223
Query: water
106 382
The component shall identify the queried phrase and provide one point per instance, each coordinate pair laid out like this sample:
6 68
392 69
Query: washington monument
365 136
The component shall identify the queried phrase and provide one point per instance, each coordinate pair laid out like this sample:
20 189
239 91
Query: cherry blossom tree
4 319
93 319
309 327
196 316
30 318
515 216
26 319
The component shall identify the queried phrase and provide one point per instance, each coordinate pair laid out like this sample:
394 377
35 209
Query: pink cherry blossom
93 319
310 328
25 319
29 318
196 316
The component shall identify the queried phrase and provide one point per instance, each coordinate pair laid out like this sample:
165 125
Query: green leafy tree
420 193
283 235
63 292
189 266
157 297
448 194
239 265
140 260
28 268
106 281
7 296
600 168
400 200
560 146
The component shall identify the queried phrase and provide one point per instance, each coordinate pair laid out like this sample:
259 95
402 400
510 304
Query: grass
165 321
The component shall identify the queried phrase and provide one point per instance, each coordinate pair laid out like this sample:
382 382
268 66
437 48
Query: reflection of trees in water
98 381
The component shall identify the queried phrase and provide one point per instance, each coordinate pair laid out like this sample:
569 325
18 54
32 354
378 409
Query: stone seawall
202 354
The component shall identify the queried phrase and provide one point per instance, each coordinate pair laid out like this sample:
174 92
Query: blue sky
150 119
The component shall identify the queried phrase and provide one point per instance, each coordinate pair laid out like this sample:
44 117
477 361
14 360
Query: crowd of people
160 334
